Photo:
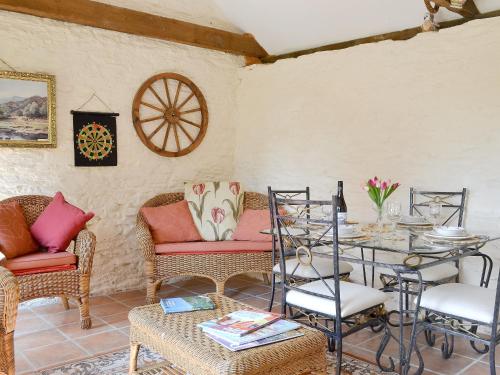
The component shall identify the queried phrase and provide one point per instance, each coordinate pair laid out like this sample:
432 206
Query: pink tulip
372 182
218 214
198 189
234 187
383 185
395 185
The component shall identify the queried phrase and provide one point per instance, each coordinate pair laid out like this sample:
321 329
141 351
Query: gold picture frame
27 109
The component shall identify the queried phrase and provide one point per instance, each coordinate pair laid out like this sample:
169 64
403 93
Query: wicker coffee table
177 338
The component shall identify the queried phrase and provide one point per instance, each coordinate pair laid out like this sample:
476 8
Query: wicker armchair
9 299
217 267
66 284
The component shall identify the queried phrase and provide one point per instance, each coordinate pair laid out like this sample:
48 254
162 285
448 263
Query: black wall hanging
94 139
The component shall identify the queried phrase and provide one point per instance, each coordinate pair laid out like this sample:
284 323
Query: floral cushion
215 207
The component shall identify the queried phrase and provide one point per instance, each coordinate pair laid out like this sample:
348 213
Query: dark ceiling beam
109 17
395 35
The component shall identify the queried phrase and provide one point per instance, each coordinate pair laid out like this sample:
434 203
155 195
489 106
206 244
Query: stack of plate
347 232
449 233
414 221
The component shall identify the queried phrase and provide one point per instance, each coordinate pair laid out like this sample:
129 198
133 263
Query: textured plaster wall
424 112
113 65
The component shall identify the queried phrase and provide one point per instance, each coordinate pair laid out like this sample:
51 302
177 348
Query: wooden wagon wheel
170 114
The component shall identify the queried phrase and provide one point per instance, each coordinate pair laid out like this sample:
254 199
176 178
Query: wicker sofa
9 299
215 264
66 284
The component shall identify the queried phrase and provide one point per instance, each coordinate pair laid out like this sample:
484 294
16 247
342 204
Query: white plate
451 231
413 220
441 237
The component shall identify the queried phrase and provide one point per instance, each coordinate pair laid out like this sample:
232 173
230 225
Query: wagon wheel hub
172 115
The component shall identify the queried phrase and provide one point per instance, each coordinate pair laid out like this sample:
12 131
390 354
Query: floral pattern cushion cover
215 207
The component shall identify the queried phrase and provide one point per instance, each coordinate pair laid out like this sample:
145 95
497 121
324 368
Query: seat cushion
15 236
432 274
354 297
40 259
171 223
212 247
251 223
467 301
323 266
58 224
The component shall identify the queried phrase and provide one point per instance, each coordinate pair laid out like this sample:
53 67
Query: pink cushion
58 224
250 225
40 259
171 223
213 247
32 271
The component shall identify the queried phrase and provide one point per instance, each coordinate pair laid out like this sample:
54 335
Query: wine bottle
342 207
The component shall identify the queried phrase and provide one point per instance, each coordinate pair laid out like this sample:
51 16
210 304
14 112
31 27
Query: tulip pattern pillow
215 207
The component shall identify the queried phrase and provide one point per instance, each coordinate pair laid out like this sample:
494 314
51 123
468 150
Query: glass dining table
400 254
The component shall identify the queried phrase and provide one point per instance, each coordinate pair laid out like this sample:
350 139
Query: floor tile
131 294
109 309
73 330
435 362
62 318
53 354
22 365
40 338
119 320
478 368
103 342
32 324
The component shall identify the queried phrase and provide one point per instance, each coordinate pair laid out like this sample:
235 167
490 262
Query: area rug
117 363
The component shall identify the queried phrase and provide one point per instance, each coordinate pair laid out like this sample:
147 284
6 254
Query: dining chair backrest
284 194
453 202
299 229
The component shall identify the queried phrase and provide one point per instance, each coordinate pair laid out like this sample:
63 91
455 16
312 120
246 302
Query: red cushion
67 267
58 224
40 259
171 223
213 247
15 237
251 223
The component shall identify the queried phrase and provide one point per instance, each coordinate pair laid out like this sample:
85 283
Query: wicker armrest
84 249
144 238
9 299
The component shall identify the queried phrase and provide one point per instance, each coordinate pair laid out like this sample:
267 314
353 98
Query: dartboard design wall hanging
170 114
94 139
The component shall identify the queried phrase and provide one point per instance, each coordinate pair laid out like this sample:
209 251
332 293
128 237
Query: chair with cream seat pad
324 267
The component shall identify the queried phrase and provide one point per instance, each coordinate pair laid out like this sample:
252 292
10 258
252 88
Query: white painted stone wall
424 112
113 65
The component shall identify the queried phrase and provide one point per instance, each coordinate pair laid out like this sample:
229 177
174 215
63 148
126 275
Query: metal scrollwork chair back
453 201
327 302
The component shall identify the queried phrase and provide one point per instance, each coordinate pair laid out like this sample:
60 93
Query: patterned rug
117 363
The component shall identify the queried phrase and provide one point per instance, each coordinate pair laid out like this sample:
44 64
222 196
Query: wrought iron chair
324 266
459 310
9 299
326 303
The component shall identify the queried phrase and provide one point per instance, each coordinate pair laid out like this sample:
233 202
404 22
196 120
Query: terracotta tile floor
48 335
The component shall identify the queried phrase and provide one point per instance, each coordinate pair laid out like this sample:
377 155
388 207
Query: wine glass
394 213
435 212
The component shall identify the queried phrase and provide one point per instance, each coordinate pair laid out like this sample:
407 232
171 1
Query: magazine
242 322
183 304
273 329
253 344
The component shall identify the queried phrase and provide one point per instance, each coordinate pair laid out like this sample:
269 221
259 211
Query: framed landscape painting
27 109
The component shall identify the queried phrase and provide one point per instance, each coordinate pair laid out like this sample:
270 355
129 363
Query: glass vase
379 223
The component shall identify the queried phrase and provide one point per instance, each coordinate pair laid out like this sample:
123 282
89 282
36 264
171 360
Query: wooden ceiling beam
396 35
109 17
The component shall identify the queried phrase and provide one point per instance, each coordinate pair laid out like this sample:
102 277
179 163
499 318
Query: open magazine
253 344
183 304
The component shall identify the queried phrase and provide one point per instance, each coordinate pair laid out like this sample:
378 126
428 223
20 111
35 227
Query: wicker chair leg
152 289
7 362
134 351
219 287
84 305
65 302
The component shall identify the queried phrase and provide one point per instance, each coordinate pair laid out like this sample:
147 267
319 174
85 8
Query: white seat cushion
435 273
324 267
354 297
467 301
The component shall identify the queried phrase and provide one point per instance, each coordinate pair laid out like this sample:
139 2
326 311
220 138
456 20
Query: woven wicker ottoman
177 338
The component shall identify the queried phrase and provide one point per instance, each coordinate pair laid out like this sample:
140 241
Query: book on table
240 323
276 328
184 304
264 341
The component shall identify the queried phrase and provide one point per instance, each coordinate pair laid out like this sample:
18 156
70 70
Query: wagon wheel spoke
166 137
186 133
185 101
157 129
190 111
152 106
157 96
177 138
151 119
177 93
165 82
189 122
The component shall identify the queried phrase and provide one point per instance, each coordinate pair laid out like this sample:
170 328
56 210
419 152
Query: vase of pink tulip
379 190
